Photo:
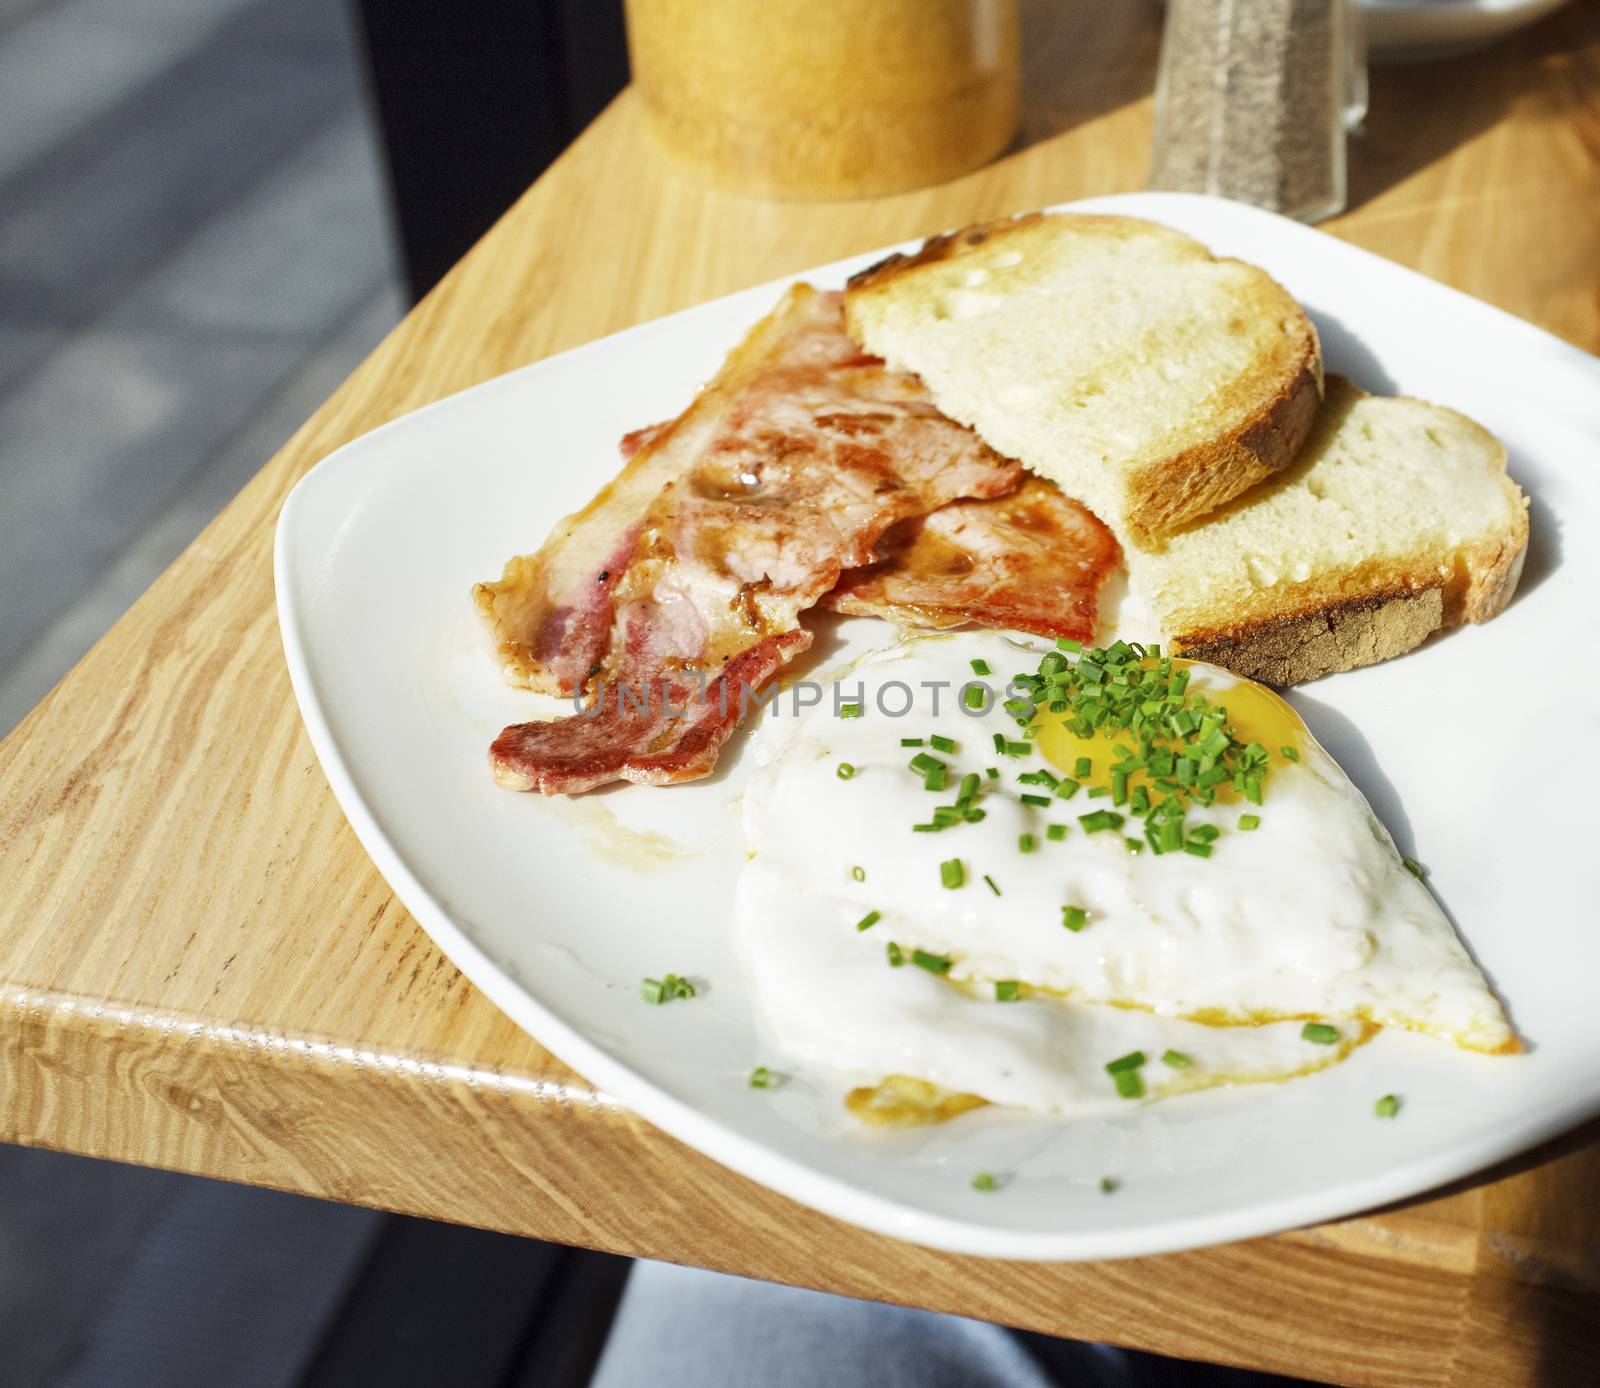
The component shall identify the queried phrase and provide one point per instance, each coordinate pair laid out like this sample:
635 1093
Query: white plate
1420 30
556 908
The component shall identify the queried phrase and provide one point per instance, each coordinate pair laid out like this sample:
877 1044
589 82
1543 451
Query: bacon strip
655 735
731 520
1030 561
784 471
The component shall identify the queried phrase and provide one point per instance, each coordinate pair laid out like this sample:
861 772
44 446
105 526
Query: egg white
1312 915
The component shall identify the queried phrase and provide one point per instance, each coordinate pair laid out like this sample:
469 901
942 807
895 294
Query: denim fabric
686 1328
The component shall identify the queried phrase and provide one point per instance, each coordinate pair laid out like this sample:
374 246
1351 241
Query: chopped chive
911 742
933 963
980 667
922 763
1000 742
935 779
849 710
1025 843
859 874
763 1078
990 881
1415 868
940 743
1387 1106
845 771
926 828
869 920
1007 990
969 787
1066 643
1128 1083
1290 753
1074 918
1183 742
1319 1032
1100 819
1107 1185
984 1181
951 873
992 772
896 957
1249 821
665 988
1055 832
1042 800
973 696
1132 1061
1177 1060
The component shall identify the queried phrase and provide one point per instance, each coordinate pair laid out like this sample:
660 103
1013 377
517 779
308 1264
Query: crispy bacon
741 512
1030 561
635 439
655 734
721 529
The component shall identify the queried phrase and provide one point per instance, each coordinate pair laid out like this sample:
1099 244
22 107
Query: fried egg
1012 955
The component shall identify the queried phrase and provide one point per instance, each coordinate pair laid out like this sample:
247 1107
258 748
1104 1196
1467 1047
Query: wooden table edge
244 1102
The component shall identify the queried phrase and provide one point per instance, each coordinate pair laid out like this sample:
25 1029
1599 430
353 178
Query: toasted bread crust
1380 609
1493 573
1326 633
946 246
1166 495
1324 638
1188 487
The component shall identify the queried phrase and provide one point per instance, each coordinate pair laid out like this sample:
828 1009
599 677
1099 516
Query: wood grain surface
200 969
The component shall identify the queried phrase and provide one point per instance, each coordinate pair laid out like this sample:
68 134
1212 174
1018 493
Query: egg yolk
1255 714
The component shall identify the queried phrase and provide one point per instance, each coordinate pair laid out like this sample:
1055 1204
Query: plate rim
830 1195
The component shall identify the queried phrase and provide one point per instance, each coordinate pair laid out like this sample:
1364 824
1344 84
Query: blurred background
210 212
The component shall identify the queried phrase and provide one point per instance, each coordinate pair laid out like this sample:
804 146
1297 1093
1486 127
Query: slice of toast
1117 357
1397 520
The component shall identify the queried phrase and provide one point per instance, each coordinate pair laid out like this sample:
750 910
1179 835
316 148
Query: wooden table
201 970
